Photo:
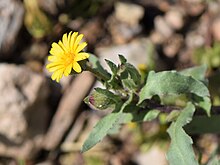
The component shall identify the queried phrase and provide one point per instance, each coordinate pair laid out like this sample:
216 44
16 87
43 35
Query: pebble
175 18
163 27
215 27
128 12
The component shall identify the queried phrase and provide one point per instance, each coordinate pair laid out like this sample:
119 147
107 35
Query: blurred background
45 123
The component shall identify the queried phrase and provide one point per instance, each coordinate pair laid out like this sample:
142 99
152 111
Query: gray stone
194 40
121 32
155 155
23 110
135 52
11 18
123 24
129 13
175 18
215 29
173 45
163 27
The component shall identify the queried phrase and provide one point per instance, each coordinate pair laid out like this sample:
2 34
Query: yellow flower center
69 58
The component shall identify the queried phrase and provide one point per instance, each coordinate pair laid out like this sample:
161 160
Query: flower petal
78 39
72 40
57 75
65 40
77 67
65 49
56 50
68 70
81 56
56 68
53 58
69 38
81 47
53 64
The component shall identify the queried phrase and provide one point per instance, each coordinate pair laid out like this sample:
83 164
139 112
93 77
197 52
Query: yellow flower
65 55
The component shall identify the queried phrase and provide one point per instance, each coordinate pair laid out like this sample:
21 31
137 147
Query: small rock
92 30
172 46
214 7
135 52
157 38
121 32
194 7
215 29
45 163
163 27
155 155
51 6
175 18
194 40
129 13
36 51
23 111
124 23
11 18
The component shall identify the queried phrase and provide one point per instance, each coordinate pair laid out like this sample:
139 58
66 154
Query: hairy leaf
106 125
181 151
97 68
122 59
129 75
101 129
197 72
133 113
172 83
112 66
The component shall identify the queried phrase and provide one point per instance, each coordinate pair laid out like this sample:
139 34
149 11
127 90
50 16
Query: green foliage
102 128
181 151
36 21
135 101
102 99
168 83
197 73
96 68
208 55
171 83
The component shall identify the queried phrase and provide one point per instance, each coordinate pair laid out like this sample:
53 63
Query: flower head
65 56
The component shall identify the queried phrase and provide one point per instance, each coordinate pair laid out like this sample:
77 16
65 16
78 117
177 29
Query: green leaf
127 81
172 115
181 151
101 129
197 73
112 66
133 113
205 103
129 75
122 59
97 68
134 74
106 125
112 122
171 83
168 83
